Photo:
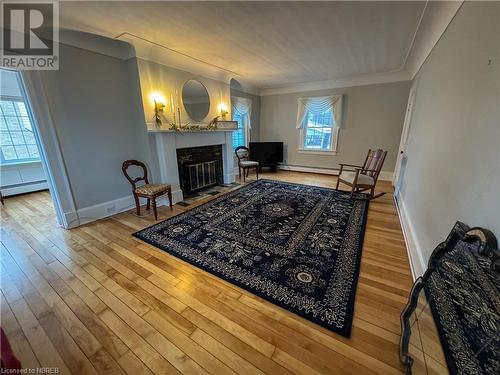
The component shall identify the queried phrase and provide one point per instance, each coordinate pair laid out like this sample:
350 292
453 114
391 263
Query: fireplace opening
199 168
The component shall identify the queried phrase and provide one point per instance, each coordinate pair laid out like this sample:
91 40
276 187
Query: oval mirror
196 100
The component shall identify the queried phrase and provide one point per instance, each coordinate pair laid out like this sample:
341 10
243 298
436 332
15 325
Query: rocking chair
363 177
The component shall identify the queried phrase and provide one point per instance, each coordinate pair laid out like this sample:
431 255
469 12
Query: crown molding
97 43
437 16
149 50
361 80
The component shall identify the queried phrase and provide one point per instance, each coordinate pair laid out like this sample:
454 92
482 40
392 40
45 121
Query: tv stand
273 168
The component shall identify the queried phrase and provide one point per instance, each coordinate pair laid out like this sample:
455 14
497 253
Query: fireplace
165 144
199 168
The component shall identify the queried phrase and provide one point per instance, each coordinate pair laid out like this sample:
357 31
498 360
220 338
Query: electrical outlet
110 209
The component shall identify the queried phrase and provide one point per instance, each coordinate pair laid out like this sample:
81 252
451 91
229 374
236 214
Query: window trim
246 134
333 143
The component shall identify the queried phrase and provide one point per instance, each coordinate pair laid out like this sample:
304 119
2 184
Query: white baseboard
384 175
25 188
100 211
417 263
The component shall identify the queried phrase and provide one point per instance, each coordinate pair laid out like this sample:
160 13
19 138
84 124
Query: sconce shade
158 100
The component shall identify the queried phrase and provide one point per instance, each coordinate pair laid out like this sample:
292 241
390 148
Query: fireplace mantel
164 144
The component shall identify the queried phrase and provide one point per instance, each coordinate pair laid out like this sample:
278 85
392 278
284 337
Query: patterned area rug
464 296
296 246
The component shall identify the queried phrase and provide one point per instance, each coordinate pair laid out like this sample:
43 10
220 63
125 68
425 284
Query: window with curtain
318 121
241 110
17 140
239 134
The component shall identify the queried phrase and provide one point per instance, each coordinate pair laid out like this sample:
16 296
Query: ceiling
264 44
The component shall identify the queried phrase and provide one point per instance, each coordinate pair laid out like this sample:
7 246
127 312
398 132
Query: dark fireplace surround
199 168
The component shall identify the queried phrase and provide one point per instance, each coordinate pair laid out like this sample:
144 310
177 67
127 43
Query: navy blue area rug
296 246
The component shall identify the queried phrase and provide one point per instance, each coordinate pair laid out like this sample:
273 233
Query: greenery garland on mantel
212 125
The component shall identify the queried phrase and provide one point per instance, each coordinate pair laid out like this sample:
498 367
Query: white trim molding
417 262
24 188
384 175
316 152
362 80
49 146
102 210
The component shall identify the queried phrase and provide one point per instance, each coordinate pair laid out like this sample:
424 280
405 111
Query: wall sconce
159 103
223 110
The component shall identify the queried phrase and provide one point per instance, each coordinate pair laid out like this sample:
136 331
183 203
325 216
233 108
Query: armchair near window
364 177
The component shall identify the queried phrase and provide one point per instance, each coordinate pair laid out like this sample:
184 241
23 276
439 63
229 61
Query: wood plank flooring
95 300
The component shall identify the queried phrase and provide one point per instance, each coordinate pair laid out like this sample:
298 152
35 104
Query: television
268 154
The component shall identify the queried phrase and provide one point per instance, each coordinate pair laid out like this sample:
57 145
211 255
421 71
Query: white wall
22 178
453 152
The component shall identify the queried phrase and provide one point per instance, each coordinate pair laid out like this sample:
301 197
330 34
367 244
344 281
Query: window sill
316 152
18 163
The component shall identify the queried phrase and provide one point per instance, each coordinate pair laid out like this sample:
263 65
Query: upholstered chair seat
148 191
151 189
363 179
249 163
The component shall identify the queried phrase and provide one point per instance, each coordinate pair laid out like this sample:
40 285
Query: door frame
405 133
49 147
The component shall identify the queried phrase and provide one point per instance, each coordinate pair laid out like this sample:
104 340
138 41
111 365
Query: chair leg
338 177
353 190
148 204
137 205
244 175
154 208
372 192
239 172
170 198
257 172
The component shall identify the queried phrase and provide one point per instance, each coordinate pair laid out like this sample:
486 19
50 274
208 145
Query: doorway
402 157
22 164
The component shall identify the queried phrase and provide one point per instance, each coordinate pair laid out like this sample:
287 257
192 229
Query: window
238 135
241 109
318 131
17 140
318 124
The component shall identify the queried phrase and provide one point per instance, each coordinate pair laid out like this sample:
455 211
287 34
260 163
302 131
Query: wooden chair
244 162
148 191
364 177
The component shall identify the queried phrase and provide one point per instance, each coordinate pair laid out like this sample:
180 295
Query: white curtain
243 107
317 105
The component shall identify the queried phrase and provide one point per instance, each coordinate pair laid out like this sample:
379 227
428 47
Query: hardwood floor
96 300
